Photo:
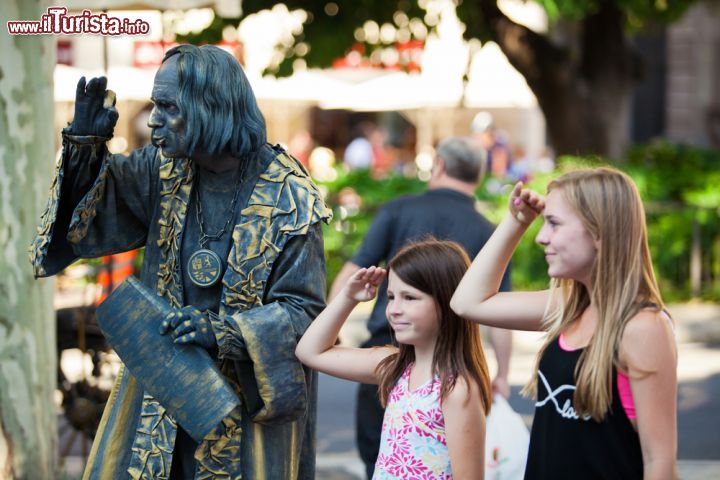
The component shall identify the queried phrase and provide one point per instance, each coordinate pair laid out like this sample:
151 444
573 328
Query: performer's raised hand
189 325
95 112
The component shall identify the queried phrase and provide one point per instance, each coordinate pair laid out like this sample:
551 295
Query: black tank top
565 446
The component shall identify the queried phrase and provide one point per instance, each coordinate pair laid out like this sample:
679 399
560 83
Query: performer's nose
155 119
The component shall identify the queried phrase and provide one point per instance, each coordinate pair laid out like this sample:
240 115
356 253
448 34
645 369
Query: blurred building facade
679 97
693 100
417 108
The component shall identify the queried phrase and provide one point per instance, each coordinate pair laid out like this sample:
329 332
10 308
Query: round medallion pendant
204 268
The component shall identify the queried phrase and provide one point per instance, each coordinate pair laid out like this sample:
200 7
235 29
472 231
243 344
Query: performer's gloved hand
189 325
95 112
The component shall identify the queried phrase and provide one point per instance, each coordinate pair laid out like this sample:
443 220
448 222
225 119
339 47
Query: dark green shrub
345 233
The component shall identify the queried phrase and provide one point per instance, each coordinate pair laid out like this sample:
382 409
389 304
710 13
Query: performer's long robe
273 287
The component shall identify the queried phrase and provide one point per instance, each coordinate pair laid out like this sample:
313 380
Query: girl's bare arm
477 297
465 431
648 353
317 348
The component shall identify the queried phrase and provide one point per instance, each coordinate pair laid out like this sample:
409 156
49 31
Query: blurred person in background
382 160
495 143
300 146
447 212
359 154
521 166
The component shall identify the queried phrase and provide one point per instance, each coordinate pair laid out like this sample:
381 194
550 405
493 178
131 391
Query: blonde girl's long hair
436 267
623 282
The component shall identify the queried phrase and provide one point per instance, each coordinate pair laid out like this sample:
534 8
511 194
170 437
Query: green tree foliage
679 185
637 11
347 230
330 29
582 71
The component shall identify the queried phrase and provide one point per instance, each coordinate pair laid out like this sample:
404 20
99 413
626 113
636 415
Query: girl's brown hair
435 267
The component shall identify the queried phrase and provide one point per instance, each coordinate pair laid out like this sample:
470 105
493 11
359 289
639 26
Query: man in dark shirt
447 212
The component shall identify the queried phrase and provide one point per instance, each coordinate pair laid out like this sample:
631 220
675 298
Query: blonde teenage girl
606 381
435 384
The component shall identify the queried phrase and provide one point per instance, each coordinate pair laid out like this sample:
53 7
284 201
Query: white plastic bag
506 442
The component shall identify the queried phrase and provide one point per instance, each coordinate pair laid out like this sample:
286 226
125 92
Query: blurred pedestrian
521 167
300 146
496 144
360 153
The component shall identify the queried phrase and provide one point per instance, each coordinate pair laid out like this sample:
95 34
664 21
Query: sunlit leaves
568 9
335 27
637 12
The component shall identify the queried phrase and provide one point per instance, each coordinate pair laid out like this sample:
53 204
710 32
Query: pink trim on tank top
626 398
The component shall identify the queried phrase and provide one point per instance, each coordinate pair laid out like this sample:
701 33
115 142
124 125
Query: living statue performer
233 242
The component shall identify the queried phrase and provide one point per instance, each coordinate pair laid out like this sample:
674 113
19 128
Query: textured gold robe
272 289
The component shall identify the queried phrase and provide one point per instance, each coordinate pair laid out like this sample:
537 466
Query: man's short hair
464 159
217 102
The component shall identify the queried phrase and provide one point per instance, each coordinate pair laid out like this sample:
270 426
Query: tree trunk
592 117
588 118
584 88
28 436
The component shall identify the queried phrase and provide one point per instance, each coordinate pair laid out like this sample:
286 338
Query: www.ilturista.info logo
57 21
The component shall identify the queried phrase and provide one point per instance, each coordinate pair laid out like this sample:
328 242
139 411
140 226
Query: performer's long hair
217 102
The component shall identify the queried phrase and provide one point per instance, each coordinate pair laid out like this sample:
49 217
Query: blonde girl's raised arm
649 354
317 348
465 430
477 297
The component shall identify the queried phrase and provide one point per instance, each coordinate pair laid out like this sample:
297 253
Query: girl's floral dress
413 445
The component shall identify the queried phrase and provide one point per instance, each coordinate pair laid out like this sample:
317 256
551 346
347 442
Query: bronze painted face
167 123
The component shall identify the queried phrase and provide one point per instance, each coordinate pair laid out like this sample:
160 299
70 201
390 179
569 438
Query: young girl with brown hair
435 384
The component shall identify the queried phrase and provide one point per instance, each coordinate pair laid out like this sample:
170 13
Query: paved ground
698 331
698 400
338 459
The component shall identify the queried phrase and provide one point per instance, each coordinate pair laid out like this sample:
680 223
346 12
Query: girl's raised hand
525 204
363 285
